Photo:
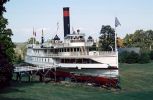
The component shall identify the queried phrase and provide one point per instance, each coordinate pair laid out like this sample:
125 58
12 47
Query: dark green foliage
6 68
6 49
132 57
151 55
93 48
123 56
144 58
107 38
2 8
18 59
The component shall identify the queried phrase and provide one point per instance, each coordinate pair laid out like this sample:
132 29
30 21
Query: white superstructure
74 52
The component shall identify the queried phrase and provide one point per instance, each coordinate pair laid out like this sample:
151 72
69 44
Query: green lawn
136 82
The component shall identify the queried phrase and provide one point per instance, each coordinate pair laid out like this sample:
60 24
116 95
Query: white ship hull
104 73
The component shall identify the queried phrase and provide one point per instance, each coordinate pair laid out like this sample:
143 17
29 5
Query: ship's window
74 49
78 49
71 49
51 50
68 49
62 60
45 51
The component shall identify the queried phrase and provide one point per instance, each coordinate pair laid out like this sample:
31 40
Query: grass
136 82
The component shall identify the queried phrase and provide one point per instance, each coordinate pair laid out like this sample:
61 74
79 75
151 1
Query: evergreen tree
6 49
107 38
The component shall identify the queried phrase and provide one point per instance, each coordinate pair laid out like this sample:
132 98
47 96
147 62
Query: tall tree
6 49
107 38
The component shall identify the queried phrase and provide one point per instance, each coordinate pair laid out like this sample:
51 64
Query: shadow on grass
6 98
10 90
15 87
23 83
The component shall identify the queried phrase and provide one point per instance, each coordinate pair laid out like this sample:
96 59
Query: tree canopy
6 49
107 38
140 38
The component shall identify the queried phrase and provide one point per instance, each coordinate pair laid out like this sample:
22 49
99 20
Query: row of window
81 61
41 59
61 50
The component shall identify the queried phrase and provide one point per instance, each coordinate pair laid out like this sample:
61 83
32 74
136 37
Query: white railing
77 54
58 45
104 53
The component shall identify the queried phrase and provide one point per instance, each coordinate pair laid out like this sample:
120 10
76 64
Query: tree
2 8
140 38
6 49
107 38
32 40
128 40
149 34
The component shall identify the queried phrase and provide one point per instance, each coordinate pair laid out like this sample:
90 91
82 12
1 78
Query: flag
117 23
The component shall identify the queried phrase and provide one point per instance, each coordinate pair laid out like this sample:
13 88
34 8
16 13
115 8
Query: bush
151 55
144 58
123 56
132 57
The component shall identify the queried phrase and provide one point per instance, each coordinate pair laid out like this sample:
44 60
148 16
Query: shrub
123 56
132 57
144 58
151 55
128 57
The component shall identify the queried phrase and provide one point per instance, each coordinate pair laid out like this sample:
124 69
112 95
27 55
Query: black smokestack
66 21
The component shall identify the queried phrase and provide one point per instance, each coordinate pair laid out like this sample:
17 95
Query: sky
86 15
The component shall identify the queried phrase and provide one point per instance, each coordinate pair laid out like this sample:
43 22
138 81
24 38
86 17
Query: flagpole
115 39
117 23
33 38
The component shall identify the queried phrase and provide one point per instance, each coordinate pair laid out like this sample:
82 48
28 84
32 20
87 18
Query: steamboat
75 58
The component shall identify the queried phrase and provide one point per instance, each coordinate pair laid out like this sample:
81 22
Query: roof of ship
56 37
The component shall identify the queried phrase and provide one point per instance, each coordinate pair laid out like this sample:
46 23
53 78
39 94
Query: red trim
66 13
90 79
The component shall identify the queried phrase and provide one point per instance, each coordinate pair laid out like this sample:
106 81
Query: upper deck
71 40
